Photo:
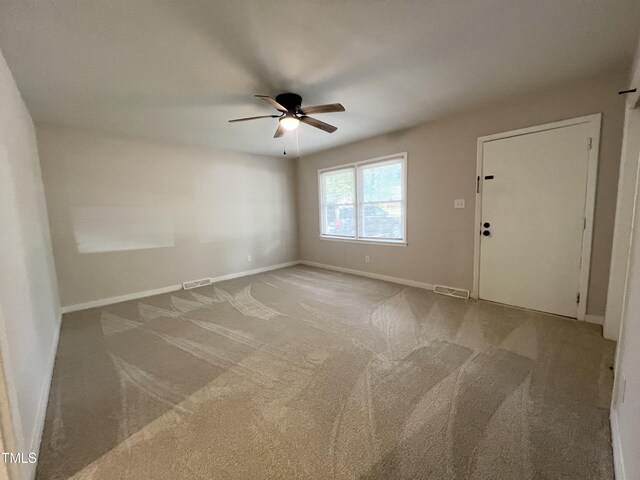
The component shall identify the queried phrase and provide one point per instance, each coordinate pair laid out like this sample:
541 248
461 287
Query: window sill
392 243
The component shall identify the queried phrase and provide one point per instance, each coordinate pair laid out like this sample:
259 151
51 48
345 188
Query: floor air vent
196 283
451 292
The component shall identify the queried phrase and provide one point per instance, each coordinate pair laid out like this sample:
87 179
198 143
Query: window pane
382 182
382 220
381 211
338 202
338 186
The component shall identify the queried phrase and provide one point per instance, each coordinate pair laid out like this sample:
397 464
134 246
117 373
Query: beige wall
129 216
441 168
29 307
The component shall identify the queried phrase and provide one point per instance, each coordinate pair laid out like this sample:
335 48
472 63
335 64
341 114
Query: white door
533 218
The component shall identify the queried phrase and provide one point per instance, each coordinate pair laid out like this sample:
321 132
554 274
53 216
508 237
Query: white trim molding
623 225
120 298
618 461
392 243
377 276
597 319
595 121
172 288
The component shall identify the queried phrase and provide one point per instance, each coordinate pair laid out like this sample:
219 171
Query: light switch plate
458 203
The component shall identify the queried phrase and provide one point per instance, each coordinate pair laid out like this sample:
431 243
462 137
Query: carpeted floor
303 373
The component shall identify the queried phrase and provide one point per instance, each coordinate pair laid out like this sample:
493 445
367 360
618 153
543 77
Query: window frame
359 195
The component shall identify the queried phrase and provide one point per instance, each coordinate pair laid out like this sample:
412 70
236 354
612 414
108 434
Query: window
365 200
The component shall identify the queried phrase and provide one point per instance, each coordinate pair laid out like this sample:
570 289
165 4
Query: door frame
595 121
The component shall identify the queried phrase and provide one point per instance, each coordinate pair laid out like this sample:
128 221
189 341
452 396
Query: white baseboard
120 298
253 272
377 276
597 319
172 288
618 462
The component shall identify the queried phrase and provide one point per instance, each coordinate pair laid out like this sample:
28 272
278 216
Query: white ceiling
178 70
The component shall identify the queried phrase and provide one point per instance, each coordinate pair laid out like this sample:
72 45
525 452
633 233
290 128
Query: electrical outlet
458 203
366 259
249 258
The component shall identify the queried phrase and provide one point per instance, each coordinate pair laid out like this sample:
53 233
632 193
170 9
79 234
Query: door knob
486 233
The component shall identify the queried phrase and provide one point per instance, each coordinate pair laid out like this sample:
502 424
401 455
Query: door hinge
578 297
584 223
589 143
478 184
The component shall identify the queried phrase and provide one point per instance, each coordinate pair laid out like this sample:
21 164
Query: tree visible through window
365 201
338 202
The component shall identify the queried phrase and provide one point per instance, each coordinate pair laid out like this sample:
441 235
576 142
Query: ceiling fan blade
272 103
332 107
252 118
279 131
318 124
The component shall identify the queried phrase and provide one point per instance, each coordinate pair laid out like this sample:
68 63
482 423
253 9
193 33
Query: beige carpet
304 373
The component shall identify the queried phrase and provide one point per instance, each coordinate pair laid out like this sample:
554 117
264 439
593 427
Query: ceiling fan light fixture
290 114
289 122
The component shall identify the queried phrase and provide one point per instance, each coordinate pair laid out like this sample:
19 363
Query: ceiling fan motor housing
290 101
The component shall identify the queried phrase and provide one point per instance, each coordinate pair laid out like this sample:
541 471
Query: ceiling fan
291 113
